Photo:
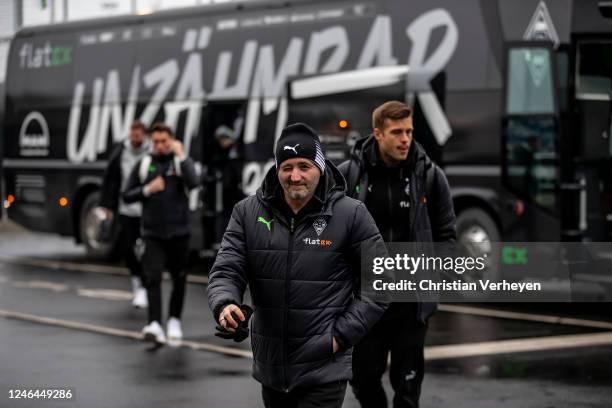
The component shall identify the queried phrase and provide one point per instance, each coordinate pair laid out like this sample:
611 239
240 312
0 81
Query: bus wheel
476 225
89 227
476 231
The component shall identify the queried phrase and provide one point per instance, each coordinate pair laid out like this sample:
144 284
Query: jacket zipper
286 308
417 189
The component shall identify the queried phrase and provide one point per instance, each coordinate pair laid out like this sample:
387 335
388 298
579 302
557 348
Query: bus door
222 156
531 138
593 124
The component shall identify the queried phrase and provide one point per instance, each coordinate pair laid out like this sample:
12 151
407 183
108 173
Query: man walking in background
409 197
228 162
161 181
122 159
297 243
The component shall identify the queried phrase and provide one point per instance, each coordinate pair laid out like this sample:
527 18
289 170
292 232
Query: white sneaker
136 283
154 333
140 300
174 330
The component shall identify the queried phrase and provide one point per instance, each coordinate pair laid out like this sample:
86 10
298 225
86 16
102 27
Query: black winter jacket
431 212
164 214
304 284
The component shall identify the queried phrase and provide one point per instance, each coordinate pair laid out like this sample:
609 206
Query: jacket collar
365 151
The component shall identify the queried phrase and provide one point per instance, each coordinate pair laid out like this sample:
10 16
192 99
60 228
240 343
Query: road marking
106 294
593 277
129 334
517 346
62 265
450 351
95 293
38 284
503 314
197 279
89 268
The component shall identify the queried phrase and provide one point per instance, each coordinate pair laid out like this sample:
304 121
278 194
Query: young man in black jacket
409 197
161 181
297 244
122 159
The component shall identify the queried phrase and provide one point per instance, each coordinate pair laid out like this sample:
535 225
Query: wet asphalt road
91 344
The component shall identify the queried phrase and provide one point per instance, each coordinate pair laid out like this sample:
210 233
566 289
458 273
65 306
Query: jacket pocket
325 345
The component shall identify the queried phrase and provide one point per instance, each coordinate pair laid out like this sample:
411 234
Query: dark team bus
512 98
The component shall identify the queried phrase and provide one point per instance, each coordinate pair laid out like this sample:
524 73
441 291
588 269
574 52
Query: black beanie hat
299 140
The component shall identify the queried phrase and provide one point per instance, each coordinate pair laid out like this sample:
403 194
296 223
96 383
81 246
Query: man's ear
378 135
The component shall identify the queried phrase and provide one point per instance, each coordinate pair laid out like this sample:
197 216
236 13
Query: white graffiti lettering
257 77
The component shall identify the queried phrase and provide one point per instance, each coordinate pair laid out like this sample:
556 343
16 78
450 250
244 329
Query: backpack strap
352 175
177 166
430 180
143 169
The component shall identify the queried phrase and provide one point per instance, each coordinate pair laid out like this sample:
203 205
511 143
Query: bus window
593 91
530 89
594 71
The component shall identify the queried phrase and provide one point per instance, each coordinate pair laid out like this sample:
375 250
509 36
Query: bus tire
88 230
475 225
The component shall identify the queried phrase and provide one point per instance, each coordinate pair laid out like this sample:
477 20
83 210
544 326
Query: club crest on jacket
319 225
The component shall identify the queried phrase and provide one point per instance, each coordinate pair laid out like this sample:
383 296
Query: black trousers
128 234
159 255
329 395
399 333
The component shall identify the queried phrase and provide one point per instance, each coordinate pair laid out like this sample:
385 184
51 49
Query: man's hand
156 185
227 321
335 345
177 147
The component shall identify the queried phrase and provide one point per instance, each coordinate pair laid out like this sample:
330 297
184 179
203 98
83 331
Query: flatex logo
34 138
46 56
317 242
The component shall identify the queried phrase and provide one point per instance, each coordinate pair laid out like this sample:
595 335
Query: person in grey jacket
161 181
120 163
297 245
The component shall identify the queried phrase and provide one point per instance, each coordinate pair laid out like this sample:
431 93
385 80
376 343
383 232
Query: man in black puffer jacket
409 197
161 181
297 244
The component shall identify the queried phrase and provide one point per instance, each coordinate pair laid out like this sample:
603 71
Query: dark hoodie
165 214
303 272
410 202
431 216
